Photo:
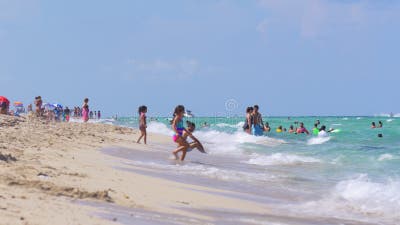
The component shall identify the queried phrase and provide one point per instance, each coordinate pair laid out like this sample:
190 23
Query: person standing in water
322 132
85 110
267 128
258 125
302 129
315 130
179 129
142 124
291 129
249 120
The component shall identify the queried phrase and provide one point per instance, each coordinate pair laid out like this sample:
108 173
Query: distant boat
189 114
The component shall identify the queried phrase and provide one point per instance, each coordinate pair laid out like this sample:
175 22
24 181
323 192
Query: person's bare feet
176 155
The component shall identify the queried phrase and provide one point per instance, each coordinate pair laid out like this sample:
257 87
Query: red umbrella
4 99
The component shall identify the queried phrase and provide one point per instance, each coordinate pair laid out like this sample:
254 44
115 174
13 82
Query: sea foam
280 159
359 197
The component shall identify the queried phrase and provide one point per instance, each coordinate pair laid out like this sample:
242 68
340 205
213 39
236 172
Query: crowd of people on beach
50 112
183 136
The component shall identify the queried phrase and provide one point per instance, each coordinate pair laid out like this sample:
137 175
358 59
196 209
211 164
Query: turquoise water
352 174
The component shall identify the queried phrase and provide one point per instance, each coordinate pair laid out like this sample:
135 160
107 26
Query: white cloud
314 18
184 68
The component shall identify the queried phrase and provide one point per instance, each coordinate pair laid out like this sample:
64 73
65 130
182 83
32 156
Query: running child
178 128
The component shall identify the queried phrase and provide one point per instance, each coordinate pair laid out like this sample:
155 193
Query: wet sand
47 168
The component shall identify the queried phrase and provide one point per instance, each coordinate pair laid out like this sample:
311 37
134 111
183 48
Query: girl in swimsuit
142 124
178 128
85 110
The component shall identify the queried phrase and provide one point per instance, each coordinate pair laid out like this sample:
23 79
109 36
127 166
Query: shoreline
58 163
76 173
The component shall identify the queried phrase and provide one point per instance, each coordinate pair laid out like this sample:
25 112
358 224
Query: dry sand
46 167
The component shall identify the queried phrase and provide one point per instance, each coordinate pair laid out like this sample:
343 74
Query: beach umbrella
56 105
4 99
18 104
49 106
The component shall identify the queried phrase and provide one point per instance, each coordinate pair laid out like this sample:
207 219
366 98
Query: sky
216 57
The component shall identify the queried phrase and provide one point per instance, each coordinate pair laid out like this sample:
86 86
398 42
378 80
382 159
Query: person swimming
315 130
373 125
267 128
291 129
279 129
205 124
322 132
380 124
302 129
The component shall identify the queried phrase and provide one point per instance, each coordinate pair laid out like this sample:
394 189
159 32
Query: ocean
352 175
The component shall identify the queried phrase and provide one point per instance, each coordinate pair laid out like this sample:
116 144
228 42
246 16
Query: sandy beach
56 173
93 173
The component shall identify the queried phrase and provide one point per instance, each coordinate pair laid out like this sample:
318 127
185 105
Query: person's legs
175 152
182 146
193 145
184 153
184 150
145 137
141 135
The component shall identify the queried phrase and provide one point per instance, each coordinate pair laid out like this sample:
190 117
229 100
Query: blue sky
309 57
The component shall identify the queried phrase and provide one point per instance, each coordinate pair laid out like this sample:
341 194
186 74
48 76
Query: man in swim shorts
258 125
